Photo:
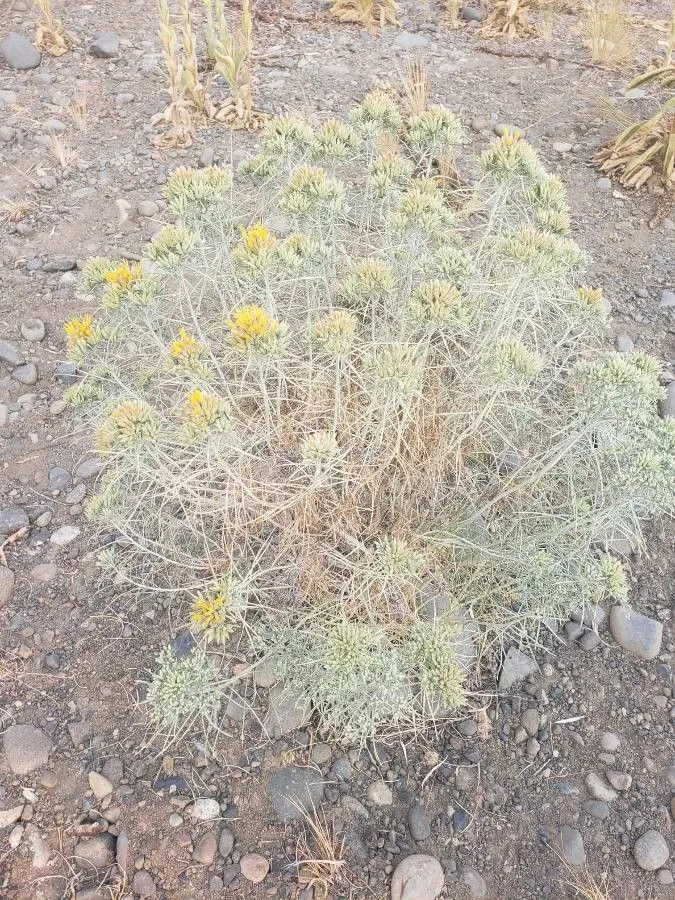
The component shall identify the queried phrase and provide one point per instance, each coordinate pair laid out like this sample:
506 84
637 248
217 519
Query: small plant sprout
368 13
232 51
364 392
50 35
175 119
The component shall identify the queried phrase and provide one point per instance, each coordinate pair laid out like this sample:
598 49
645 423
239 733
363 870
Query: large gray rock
95 852
636 633
12 519
517 666
418 823
27 374
106 45
225 843
472 14
205 849
293 790
475 882
651 850
143 884
411 40
572 846
599 789
19 53
11 354
417 877
89 467
287 712
26 748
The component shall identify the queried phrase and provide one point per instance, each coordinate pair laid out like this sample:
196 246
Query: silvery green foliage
331 381
182 688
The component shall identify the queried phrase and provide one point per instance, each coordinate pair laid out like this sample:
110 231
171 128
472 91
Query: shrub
357 424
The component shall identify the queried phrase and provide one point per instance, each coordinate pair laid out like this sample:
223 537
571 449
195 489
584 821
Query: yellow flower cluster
257 246
258 238
592 299
186 350
124 276
80 329
82 333
206 411
126 281
212 614
251 328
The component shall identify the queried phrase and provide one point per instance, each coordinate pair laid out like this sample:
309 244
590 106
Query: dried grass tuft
606 30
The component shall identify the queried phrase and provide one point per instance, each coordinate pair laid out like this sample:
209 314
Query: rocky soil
570 775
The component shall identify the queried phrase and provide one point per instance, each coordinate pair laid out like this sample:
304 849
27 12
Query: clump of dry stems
606 29
176 117
14 210
509 18
50 35
319 856
452 8
368 13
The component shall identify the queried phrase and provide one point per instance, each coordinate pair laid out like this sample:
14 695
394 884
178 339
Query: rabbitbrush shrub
360 427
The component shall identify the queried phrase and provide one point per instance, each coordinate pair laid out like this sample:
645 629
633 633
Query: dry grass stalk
368 13
583 883
509 18
62 151
546 22
415 82
452 13
319 856
78 110
606 29
647 148
191 82
643 150
50 35
176 115
14 210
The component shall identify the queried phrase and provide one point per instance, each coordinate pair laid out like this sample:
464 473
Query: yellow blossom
592 298
212 614
258 238
80 329
206 411
252 327
124 276
185 349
